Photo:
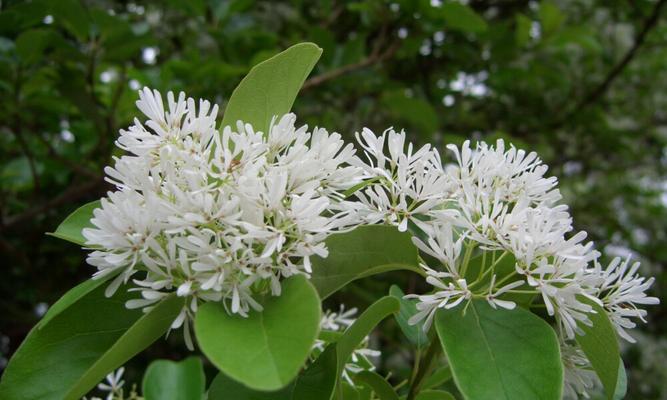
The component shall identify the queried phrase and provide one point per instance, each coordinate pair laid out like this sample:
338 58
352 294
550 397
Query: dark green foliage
580 82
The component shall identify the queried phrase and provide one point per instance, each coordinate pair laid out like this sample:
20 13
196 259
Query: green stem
505 279
416 365
482 268
491 269
466 258
522 291
424 367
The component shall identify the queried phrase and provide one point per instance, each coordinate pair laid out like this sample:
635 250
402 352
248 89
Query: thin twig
600 89
373 58
423 368
73 193
17 130
73 166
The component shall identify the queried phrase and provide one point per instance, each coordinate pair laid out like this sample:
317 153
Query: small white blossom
446 296
493 296
114 384
579 376
622 290
402 185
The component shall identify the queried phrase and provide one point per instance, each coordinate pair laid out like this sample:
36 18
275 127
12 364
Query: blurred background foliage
582 82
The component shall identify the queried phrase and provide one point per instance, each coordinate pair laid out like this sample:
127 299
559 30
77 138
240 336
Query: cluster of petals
496 206
226 214
217 215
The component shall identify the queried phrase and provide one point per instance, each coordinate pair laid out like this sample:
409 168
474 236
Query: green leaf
522 32
225 388
72 296
73 16
348 392
434 395
78 347
316 382
70 229
270 87
500 354
600 345
361 185
319 380
380 386
551 17
31 44
363 326
622 384
414 111
460 17
365 251
437 378
265 350
330 336
169 380
414 333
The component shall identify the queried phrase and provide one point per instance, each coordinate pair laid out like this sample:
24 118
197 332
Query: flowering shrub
238 232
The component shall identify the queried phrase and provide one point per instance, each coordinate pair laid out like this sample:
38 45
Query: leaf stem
466 258
491 268
424 367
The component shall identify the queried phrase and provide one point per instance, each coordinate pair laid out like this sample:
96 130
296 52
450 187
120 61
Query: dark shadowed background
582 82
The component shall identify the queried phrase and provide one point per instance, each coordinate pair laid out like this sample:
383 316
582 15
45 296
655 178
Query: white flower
442 245
499 205
338 321
447 296
510 174
579 376
621 290
492 296
208 215
114 384
402 186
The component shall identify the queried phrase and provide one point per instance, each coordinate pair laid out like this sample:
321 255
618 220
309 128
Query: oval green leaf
72 296
319 380
270 87
500 354
462 18
70 229
78 347
380 386
266 350
365 251
600 345
316 382
169 380
622 385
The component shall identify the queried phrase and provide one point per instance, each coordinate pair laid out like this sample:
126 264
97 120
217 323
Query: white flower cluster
217 216
225 215
491 227
401 186
339 322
